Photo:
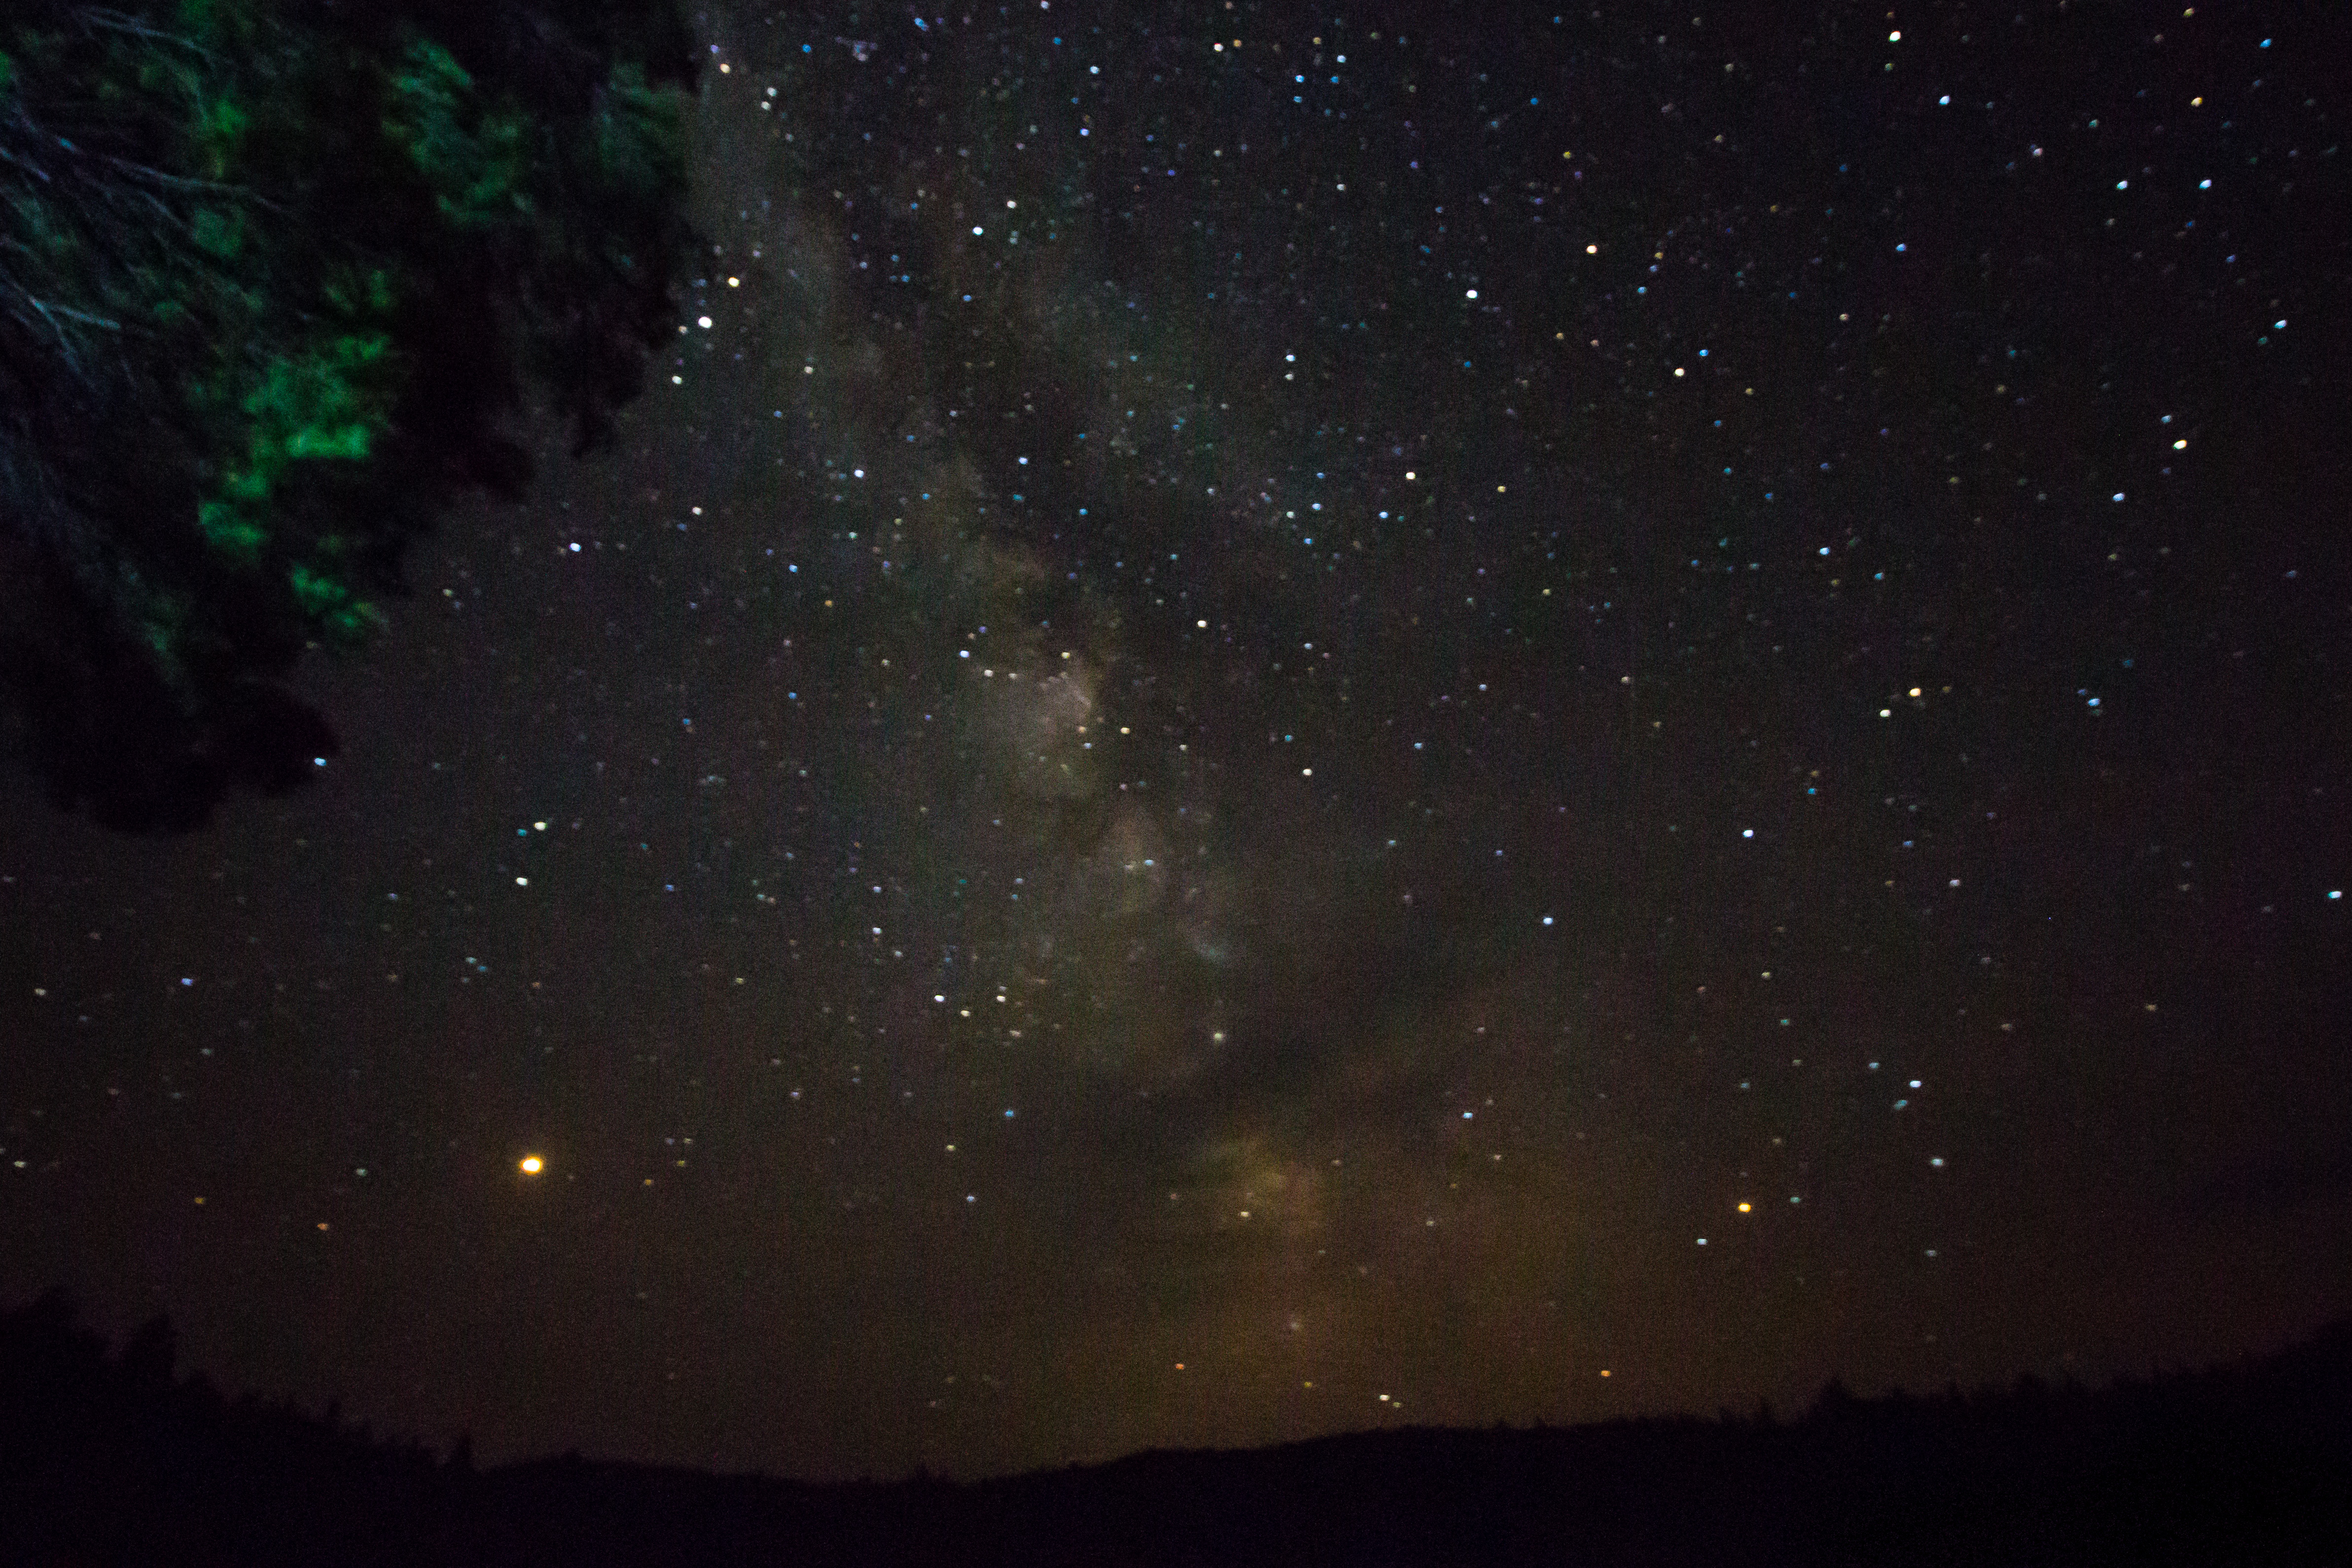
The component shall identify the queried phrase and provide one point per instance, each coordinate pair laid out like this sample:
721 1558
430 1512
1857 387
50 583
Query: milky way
1302 723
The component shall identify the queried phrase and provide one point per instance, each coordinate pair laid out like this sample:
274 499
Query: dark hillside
106 1458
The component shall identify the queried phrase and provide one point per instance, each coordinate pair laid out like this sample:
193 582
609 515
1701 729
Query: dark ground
106 1457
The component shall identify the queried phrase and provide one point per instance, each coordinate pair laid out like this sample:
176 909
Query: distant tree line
273 277
109 1458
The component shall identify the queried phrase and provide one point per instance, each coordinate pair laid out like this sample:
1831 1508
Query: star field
1285 721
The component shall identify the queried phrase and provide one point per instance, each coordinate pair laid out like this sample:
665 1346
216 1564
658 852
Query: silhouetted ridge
109 1458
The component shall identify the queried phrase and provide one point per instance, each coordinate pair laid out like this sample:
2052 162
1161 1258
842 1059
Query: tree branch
115 21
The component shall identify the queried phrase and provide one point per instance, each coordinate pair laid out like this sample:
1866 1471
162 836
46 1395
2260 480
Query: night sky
1284 720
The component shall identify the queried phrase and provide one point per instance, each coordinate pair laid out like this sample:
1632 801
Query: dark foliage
274 275
106 1459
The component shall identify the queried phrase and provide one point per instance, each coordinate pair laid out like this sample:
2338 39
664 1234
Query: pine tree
273 277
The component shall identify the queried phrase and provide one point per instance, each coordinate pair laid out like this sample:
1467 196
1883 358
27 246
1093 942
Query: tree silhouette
106 1458
273 275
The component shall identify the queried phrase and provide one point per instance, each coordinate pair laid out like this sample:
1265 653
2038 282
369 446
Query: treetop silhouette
273 277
